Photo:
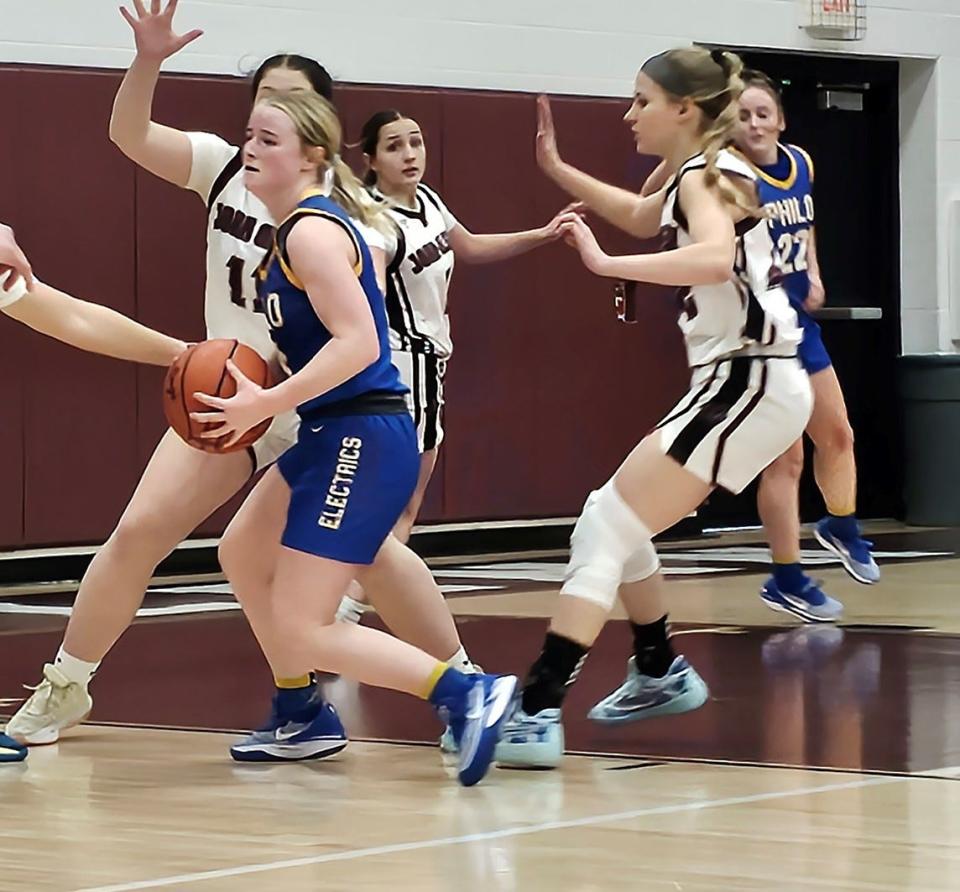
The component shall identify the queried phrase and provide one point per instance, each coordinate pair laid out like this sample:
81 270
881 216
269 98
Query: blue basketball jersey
786 192
300 334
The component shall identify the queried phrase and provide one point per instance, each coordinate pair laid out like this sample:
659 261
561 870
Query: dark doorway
856 156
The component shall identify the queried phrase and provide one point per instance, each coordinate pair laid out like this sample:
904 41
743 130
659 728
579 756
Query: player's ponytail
318 126
350 194
711 79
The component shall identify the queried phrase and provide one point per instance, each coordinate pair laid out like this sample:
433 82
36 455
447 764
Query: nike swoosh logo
501 697
475 702
287 731
317 430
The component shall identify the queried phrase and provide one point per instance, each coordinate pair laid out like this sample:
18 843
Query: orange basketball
202 368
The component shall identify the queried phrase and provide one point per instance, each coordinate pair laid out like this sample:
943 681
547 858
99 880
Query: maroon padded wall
546 391
13 346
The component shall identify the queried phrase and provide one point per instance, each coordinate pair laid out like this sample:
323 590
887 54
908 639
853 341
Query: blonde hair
318 127
711 79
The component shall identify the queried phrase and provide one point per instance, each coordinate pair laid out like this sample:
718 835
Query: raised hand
548 157
153 30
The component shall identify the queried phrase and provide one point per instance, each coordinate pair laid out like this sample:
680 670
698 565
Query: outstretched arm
488 248
707 261
92 327
164 151
637 214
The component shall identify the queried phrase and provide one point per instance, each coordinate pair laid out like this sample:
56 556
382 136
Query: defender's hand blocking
578 235
548 156
153 31
554 229
237 414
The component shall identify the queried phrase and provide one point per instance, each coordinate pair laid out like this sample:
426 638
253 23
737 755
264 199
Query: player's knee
607 535
642 564
842 435
229 555
835 436
143 538
241 558
787 468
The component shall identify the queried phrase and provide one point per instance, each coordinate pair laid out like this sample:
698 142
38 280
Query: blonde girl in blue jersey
785 181
159 516
331 501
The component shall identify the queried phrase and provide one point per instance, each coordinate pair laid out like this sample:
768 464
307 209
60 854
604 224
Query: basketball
202 368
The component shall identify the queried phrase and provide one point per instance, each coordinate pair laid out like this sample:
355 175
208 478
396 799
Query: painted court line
613 817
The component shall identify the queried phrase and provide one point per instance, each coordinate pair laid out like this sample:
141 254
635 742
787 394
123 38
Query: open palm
153 30
548 157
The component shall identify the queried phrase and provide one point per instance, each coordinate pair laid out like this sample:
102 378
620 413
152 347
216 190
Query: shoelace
43 693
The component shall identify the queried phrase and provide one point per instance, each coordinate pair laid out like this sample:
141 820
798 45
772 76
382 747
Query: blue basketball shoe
809 603
841 536
10 750
312 732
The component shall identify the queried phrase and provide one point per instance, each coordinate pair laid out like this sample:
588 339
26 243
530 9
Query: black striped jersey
750 312
419 267
239 235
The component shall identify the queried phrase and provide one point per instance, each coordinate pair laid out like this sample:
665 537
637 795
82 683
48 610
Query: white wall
571 47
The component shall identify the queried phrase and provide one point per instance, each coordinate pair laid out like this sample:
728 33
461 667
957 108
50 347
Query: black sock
554 671
652 649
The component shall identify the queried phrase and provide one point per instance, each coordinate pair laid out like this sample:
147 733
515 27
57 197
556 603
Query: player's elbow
123 139
718 273
367 347
116 134
642 226
717 267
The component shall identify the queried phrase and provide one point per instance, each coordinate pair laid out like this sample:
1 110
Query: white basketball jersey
749 313
420 264
239 234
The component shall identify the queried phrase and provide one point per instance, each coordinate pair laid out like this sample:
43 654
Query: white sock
79 671
461 661
350 611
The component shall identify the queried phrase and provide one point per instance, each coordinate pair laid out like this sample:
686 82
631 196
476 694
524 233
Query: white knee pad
642 564
607 534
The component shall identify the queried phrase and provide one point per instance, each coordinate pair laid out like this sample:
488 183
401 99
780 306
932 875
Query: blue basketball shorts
812 353
350 478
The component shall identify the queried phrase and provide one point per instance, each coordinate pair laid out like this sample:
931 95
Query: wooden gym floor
827 758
